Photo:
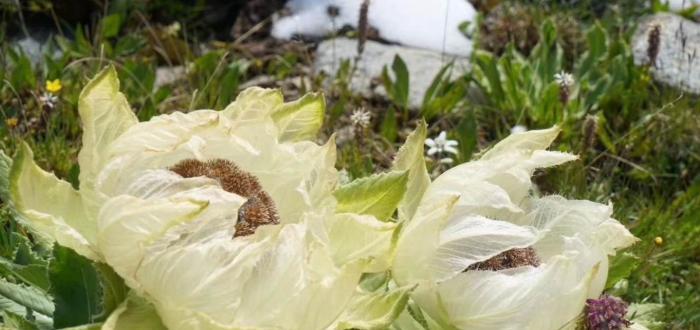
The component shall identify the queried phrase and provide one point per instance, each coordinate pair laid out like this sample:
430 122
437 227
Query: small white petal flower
432 151
441 145
361 118
48 99
451 150
446 160
564 78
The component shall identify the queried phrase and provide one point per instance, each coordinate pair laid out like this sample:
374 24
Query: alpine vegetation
237 219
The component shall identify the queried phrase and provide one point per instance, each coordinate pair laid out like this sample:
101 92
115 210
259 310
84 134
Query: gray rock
166 75
35 48
423 65
677 63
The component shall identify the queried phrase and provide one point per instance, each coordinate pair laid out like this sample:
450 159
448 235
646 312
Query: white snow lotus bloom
219 219
486 253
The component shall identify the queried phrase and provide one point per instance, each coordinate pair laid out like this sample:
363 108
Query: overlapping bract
483 208
172 238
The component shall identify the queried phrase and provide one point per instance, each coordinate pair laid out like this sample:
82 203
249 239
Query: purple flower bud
606 313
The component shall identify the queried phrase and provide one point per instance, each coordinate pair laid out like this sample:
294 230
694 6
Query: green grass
643 155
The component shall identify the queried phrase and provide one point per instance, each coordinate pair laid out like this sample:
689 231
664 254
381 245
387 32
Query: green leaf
598 90
22 76
491 82
411 158
597 48
18 298
16 322
376 195
111 25
441 79
645 315
376 310
5 167
33 275
467 135
621 266
603 135
114 291
390 128
402 81
24 254
25 264
128 45
75 287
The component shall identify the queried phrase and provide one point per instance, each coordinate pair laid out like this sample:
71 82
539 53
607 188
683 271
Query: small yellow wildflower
54 86
658 240
11 122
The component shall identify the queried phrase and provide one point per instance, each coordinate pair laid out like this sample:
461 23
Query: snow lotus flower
215 219
486 253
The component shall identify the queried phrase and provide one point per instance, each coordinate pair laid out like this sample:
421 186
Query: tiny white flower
518 129
48 99
361 118
564 78
441 145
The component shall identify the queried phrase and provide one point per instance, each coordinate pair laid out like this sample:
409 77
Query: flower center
509 259
607 313
258 210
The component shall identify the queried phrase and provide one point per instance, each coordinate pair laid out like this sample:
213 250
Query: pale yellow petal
411 158
254 103
105 114
355 237
50 207
301 119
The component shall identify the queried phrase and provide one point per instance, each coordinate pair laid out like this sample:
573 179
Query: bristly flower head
564 78
606 313
565 81
361 118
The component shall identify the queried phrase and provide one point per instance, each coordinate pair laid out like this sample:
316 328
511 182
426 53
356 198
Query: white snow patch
429 24
677 5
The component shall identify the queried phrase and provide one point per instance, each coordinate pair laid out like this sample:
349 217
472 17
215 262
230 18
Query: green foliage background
639 141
